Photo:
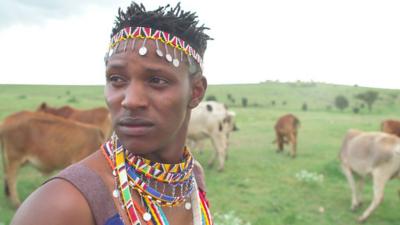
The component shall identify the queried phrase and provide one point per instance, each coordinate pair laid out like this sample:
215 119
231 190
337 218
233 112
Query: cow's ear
198 89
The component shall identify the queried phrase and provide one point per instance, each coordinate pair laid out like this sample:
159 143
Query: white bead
146 216
188 205
115 193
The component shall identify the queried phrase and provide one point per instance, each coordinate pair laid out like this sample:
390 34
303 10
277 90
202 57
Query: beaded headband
157 35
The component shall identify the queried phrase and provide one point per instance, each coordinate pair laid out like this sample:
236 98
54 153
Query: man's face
150 99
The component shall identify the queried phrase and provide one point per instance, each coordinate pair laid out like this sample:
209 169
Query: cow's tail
3 156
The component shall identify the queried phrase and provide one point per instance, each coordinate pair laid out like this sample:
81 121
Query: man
143 175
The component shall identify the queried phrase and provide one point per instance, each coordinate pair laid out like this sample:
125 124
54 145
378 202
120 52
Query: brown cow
286 132
46 141
391 127
375 154
99 116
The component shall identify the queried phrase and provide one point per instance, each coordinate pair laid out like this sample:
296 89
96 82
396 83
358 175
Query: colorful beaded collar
114 153
165 38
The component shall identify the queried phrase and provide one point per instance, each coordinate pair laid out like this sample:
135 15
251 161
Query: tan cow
391 127
211 120
99 116
48 142
286 129
369 153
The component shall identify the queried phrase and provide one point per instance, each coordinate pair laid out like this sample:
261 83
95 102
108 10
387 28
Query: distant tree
304 107
244 102
273 102
341 102
369 97
211 98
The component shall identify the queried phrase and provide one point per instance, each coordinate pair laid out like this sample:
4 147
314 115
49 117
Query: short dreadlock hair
172 20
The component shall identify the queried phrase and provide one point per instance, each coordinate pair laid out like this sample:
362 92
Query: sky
343 41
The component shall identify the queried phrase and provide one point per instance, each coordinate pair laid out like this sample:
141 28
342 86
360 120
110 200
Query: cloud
22 12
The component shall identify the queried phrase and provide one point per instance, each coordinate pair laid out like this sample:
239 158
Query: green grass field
258 185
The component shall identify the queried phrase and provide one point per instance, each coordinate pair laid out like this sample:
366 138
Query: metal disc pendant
115 193
168 57
159 53
146 216
143 51
175 62
188 205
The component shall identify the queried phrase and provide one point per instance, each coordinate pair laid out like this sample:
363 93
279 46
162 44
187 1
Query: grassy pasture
258 185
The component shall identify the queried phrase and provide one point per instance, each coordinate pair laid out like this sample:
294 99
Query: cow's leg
294 144
11 181
279 142
350 179
214 154
200 146
360 188
379 181
219 147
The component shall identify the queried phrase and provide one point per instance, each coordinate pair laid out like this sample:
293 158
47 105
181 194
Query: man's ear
199 87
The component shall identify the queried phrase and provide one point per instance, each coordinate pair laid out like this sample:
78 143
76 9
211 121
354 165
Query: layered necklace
150 179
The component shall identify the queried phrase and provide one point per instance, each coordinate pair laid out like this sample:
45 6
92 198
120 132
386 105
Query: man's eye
115 79
158 81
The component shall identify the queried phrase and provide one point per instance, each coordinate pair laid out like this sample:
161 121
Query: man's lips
133 126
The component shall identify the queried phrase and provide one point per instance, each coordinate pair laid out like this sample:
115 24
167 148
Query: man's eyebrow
116 65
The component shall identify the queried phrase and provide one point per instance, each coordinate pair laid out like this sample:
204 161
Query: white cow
369 153
211 120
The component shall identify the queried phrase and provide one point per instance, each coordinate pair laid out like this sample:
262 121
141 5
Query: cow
99 116
375 154
391 127
286 129
46 141
212 120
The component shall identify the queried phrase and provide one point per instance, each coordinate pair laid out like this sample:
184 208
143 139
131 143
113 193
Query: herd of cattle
53 138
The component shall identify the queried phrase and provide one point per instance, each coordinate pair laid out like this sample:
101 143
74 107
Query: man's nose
135 96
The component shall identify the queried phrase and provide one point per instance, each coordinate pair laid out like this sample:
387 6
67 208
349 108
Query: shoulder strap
93 188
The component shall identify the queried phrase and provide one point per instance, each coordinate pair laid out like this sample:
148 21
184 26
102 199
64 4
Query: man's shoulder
56 202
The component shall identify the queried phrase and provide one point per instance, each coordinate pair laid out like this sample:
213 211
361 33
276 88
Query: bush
244 102
273 102
341 102
22 97
211 98
231 98
73 99
304 107
356 110
284 103
329 107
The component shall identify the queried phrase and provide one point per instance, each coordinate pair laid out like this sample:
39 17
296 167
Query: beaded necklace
130 172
